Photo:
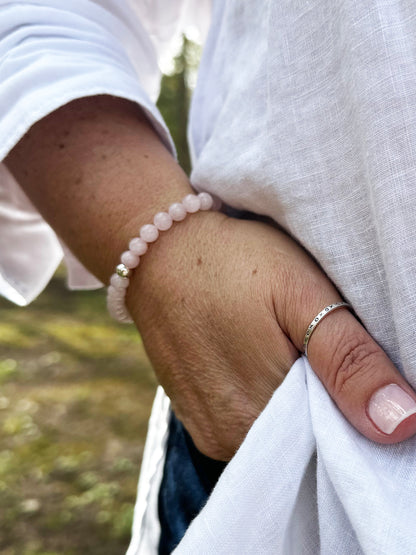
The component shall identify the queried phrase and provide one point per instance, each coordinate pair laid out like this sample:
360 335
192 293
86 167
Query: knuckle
354 360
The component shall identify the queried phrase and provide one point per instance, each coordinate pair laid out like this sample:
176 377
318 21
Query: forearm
224 304
96 170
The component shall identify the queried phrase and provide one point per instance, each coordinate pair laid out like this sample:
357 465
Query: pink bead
110 294
130 259
163 221
111 308
113 305
138 246
118 311
119 308
149 233
125 318
191 203
177 211
206 201
118 282
117 290
115 300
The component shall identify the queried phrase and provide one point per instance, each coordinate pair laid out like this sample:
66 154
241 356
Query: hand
223 306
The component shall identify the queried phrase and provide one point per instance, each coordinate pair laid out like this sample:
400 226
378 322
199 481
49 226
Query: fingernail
389 406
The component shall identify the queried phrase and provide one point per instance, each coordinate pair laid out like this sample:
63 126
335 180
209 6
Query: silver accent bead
122 271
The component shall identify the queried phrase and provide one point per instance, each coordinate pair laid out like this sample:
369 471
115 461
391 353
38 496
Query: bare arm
96 170
222 304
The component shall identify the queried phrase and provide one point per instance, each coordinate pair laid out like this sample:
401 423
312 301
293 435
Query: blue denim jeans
188 479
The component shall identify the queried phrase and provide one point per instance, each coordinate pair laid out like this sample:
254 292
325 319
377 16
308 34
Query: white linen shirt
304 111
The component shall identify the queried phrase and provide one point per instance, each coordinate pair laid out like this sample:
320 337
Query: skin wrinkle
357 353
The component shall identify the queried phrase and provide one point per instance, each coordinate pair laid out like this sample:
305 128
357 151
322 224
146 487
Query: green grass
75 395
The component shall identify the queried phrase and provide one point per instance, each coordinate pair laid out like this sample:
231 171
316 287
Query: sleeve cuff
61 55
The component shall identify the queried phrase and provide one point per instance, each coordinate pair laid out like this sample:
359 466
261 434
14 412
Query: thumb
360 378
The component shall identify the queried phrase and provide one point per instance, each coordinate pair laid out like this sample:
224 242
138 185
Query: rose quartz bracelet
138 246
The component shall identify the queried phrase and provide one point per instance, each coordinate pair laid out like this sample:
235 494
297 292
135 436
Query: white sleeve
51 53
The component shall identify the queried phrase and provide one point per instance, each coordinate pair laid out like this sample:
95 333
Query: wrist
139 245
167 266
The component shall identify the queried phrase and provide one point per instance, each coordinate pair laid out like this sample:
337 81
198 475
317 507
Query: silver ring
318 318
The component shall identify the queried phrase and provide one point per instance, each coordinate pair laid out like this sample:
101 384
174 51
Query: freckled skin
220 343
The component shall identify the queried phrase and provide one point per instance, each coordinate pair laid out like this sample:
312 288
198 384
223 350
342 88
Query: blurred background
76 390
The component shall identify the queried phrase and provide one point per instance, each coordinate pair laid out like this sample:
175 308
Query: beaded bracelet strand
119 281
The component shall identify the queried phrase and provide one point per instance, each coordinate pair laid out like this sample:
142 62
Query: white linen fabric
304 112
308 485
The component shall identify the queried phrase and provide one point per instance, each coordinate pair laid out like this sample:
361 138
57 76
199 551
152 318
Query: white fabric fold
51 54
146 526
305 482
365 490
29 250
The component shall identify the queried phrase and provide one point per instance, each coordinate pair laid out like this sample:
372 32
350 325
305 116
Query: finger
360 378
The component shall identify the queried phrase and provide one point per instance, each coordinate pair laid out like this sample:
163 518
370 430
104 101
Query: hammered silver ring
318 318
